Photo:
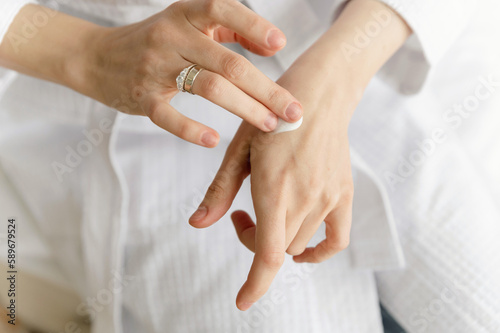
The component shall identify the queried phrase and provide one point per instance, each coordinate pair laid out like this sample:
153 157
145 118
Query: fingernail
293 111
271 121
275 39
200 213
245 306
208 139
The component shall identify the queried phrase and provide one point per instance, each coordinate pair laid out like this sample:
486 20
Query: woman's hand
302 178
299 179
143 60
134 68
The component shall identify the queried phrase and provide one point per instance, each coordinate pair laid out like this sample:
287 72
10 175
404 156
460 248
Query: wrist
54 52
339 52
332 91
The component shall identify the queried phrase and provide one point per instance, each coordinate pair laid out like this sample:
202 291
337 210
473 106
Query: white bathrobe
103 198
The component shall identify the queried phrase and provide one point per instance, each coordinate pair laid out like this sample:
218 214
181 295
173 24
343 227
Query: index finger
269 247
243 74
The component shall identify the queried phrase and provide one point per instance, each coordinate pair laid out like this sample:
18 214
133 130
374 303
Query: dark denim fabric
390 324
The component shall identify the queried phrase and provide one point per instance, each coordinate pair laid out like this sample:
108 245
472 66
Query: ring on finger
181 78
191 76
186 78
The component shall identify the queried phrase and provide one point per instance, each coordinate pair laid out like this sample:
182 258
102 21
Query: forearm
47 44
384 33
340 61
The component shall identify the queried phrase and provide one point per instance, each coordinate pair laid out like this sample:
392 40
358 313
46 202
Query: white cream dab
283 126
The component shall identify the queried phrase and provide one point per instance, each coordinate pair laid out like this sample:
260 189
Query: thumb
220 193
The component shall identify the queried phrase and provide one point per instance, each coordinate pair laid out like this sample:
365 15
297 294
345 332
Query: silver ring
191 76
181 79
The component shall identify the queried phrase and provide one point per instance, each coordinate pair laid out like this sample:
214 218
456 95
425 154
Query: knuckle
157 33
148 56
313 194
147 63
309 199
212 86
334 199
326 200
316 182
234 66
216 189
329 200
176 7
153 111
344 196
184 130
256 113
273 260
212 7
348 192
233 168
254 23
340 244
318 260
344 243
275 96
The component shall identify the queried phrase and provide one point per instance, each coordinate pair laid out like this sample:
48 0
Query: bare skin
133 68
300 179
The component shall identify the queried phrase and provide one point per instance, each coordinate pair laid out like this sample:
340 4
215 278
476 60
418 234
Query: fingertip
271 122
294 112
303 257
245 229
298 259
276 39
244 306
257 49
241 303
241 220
210 139
198 216
237 215
267 53
198 225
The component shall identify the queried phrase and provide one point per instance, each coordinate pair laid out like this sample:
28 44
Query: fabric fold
375 243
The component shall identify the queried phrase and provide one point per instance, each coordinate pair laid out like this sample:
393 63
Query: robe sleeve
436 25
